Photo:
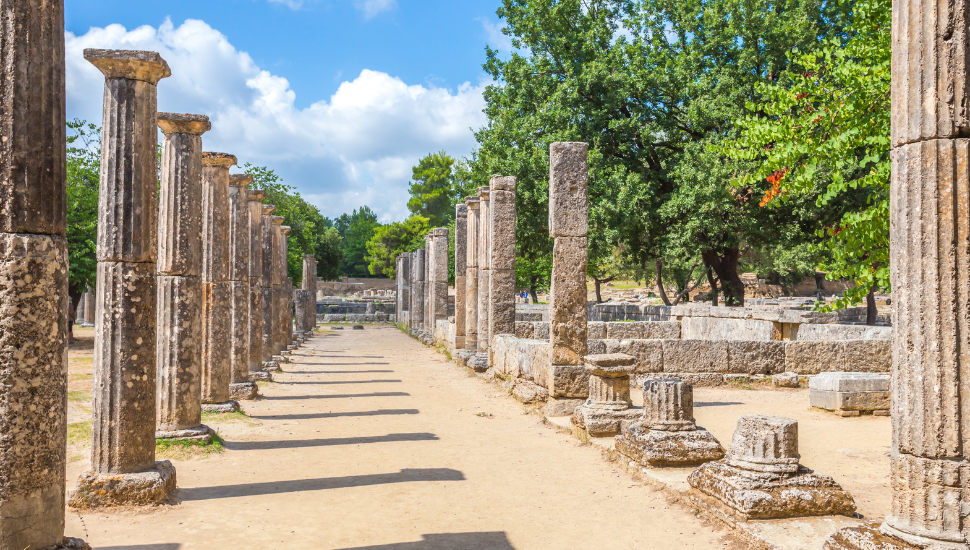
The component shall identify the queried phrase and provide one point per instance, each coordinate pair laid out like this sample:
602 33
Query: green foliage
83 177
356 229
828 121
388 241
433 189
330 254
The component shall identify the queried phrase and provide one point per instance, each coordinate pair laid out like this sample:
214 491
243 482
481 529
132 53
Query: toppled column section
33 278
124 471
608 408
501 253
667 434
255 202
760 478
461 248
217 291
568 222
240 385
179 342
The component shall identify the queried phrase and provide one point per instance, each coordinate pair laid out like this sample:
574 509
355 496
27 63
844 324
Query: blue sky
340 97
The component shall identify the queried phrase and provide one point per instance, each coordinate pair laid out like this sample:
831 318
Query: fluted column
179 339
471 274
277 287
269 272
286 291
217 302
240 386
255 203
438 276
33 276
123 405
417 290
501 230
484 269
461 248
310 285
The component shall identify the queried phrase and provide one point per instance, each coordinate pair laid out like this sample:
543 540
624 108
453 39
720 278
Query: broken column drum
124 470
255 200
760 477
608 408
666 435
180 294
471 276
33 277
484 224
568 215
240 386
501 253
461 255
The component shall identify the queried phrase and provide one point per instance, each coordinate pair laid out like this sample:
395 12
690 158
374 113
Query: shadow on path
332 382
164 546
341 371
716 403
346 364
336 396
319 484
311 416
300 443
451 541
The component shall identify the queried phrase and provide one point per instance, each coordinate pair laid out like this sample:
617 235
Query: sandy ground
372 440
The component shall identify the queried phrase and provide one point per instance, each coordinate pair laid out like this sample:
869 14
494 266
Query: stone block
647 354
596 330
243 391
568 381
542 330
864 537
696 379
568 303
502 227
716 328
813 357
850 393
568 190
502 292
562 406
786 380
756 357
624 331
661 330
849 382
600 346
97 490
657 448
525 330
867 356
766 444
698 356
813 332
539 356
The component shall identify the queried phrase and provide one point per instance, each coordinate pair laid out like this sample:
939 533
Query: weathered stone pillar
417 291
930 269
286 287
277 287
484 267
461 267
501 282
217 302
240 386
310 303
90 308
471 277
123 464
179 340
568 214
255 201
269 273
607 410
33 277
438 277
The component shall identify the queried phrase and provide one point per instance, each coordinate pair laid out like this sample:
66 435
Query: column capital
484 193
439 232
268 209
286 229
473 203
257 195
223 160
277 220
129 64
241 180
502 183
181 123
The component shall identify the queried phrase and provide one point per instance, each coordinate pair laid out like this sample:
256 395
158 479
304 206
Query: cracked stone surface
98 490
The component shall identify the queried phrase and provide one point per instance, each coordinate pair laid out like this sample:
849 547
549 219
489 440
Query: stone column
930 266
438 275
286 286
310 285
217 301
240 386
461 266
428 283
270 253
484 266
123 464
179 341
417 291
255 201
568 213
471 277
277 288
33 277
404 289
90 308
501 282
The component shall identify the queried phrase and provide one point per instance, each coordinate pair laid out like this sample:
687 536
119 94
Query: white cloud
342 152
494 36
294 4
373 7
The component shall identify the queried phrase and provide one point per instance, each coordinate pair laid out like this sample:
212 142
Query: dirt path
371 440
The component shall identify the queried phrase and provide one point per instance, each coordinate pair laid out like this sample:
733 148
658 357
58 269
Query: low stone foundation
660 449
865 537
71 543
202 434
230 406
96 490
244 391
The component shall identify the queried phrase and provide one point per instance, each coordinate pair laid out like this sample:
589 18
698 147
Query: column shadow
407 475
451 541
312 416
164 546
301 443
347 364
716 403
336 382
335 396
375 371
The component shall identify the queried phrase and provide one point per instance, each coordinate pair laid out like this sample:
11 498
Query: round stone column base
230 406
94 490
273 365
864 537
246 391
260 375
202 434
70 543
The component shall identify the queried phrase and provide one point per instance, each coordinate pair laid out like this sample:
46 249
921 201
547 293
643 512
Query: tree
83 179
822 131
391 240
356 229
433 190
330 254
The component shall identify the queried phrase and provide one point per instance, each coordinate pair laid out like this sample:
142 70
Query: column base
603 422
230 406
658 449
273 365
201 434
70 543
748 495
865 537
290 348
261 375
286 353
562 406
478 362
96 490
245 391
462 357
279 360
919 541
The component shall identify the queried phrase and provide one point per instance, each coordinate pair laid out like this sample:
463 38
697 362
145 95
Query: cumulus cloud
351 149
373 7
295 4
495 37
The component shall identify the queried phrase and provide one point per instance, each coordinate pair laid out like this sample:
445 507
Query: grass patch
80 376
79 396
79 433
740 384
185 450
238 416
263 383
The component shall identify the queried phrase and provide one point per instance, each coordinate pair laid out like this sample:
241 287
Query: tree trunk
660 283
532 290
725 265
713 282
598 284
872 313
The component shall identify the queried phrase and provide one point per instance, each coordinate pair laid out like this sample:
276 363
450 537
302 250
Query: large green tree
356 229
83 177
393 239
433 190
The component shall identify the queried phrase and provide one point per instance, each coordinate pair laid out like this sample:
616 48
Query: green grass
238 416
79 396
184 450
79 433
